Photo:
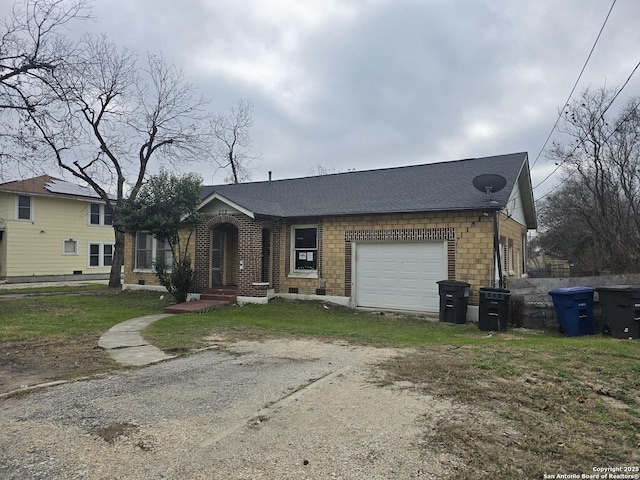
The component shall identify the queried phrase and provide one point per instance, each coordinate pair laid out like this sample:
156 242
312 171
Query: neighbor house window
305 248
99 214
70 247
149 250
100 254
24 208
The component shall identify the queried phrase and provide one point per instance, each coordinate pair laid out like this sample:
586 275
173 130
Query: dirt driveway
276 409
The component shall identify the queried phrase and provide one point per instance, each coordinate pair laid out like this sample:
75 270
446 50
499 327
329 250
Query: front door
265 275
217 258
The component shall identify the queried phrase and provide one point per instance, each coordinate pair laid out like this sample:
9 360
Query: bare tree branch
600 194
233 142
109 119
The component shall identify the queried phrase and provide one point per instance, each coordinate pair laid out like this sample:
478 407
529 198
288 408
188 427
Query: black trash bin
494 309
620 306
453 301
574 309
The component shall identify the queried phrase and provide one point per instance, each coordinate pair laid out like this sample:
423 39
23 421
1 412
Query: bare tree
33 46
599 201
318 170
109 119
232 150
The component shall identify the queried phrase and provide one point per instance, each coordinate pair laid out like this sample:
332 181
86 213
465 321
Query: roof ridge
384 169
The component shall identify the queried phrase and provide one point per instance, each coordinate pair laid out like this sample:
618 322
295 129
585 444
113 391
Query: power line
620 91
627 116
575 85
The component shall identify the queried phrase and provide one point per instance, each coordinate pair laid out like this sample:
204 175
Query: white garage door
399 275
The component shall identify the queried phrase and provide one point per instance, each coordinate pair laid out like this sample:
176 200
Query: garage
399 275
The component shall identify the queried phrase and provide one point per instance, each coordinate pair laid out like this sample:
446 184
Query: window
99 214
107 255
510 260
100 254
305 248
523 258
69 247
149 249
24 208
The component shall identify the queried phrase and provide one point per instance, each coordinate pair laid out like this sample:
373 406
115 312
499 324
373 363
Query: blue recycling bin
574 309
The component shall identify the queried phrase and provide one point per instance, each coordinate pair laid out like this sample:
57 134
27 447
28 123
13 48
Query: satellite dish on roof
489 183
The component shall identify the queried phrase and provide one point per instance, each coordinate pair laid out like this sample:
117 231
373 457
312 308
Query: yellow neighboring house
52 230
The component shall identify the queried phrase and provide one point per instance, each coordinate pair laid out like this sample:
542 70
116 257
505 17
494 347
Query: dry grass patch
524 412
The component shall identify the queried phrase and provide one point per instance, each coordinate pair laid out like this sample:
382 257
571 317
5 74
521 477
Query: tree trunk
118 258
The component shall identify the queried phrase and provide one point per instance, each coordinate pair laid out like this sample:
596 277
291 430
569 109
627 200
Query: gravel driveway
272 410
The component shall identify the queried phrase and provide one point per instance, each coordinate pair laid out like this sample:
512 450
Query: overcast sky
362 84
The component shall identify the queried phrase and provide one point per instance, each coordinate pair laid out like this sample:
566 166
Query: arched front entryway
224 256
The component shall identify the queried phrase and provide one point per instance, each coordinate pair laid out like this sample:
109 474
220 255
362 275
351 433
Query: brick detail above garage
404 234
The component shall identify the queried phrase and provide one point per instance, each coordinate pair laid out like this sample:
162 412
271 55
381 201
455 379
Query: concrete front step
221 293
218 296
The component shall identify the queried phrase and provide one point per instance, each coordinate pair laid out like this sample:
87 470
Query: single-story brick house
376 238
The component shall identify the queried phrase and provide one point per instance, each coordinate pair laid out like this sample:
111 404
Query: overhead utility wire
605 140
575 85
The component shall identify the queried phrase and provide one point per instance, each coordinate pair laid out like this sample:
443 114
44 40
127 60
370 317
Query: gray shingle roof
445 186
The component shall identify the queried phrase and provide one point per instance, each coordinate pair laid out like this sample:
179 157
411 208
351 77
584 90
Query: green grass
67 316
336 322
539 402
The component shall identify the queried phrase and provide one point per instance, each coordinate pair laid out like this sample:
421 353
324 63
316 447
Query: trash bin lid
619 288
494 290
570 290
454 283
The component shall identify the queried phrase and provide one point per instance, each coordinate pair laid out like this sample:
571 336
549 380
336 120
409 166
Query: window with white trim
510 260
99 214
69 246
304 248
149 249
24 207
100 254
523 258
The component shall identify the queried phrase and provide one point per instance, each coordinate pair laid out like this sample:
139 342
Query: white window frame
511 259
101 214
64 250
523 255
101 254
303 273
31 205
154 250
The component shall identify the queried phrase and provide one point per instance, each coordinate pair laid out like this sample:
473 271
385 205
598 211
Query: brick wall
511 234
149 278
247 263
468 236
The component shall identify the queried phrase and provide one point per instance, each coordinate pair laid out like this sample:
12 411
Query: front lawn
530 403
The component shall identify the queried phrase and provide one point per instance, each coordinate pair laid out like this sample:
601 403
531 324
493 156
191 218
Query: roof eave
526 193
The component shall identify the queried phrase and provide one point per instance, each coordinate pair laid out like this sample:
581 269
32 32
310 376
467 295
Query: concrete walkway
125 345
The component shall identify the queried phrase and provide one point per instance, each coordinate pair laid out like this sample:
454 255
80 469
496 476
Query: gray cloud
378 83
